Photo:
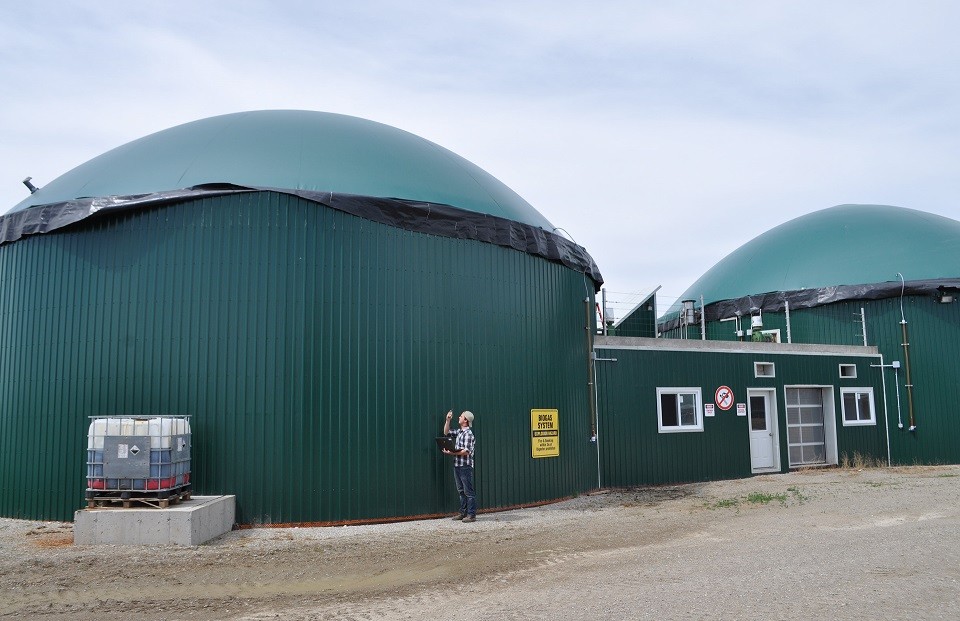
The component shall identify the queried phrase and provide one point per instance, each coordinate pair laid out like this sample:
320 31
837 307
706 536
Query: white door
763 437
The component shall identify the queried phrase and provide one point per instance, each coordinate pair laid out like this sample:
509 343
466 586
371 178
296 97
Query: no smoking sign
724 398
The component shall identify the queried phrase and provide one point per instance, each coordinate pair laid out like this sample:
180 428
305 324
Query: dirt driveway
823 544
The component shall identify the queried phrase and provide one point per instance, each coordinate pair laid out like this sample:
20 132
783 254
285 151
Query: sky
661 136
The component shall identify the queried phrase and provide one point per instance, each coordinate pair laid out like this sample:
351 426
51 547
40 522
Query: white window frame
848 368
843 412
680 428
775 333
759 366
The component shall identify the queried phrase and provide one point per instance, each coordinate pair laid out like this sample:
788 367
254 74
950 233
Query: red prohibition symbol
724 398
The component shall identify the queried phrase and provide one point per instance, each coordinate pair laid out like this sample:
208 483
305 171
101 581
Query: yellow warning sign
545 433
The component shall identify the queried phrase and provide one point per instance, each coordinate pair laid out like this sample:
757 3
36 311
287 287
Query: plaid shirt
465 440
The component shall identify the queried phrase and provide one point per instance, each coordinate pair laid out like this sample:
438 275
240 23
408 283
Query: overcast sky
660 135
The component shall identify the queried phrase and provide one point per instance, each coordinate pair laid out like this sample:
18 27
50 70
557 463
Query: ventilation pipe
906 357
703 320
603 313
786 312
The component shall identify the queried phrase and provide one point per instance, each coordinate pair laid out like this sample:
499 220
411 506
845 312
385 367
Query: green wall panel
934 343
633 450
641 322
317 353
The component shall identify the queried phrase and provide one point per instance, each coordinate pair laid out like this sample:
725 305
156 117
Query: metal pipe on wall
896 378
909 382
863 324
591 386
703 320
886 415
603 309
786 312
906 356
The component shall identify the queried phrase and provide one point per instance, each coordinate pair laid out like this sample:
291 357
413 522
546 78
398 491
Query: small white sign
741 409
708 409
122 450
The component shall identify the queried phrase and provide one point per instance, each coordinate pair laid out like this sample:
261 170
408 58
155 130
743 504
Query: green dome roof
842 245
293 150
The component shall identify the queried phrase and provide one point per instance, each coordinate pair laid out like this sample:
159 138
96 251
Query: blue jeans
468 498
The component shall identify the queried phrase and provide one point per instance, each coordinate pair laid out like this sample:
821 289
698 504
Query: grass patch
797 494
859 461
760 498
764 499
726 503
947 475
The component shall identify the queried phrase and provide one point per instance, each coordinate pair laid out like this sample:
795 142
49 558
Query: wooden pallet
129 499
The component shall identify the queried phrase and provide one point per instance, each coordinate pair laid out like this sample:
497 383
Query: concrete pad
190 523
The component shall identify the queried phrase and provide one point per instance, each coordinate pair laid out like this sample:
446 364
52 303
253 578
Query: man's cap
469 416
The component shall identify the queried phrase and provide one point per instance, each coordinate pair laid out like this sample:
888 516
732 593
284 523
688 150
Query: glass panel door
805 432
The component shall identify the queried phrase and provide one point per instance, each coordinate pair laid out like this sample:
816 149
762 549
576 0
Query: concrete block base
189 523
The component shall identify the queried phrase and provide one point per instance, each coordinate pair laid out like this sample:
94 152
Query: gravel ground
831 543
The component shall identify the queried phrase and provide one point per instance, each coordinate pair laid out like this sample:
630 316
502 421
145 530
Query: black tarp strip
775 301
430 218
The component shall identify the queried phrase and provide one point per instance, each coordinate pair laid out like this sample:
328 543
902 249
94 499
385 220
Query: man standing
463 464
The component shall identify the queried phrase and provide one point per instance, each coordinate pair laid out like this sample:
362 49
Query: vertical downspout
896 378
596 438
591 385
886 415
883 383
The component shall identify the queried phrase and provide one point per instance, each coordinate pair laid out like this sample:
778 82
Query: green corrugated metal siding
636 453
642 322
934 336
316 351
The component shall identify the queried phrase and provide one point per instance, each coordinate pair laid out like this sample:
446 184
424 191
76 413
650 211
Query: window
857 404
679 410
769 336
848 371
764 369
